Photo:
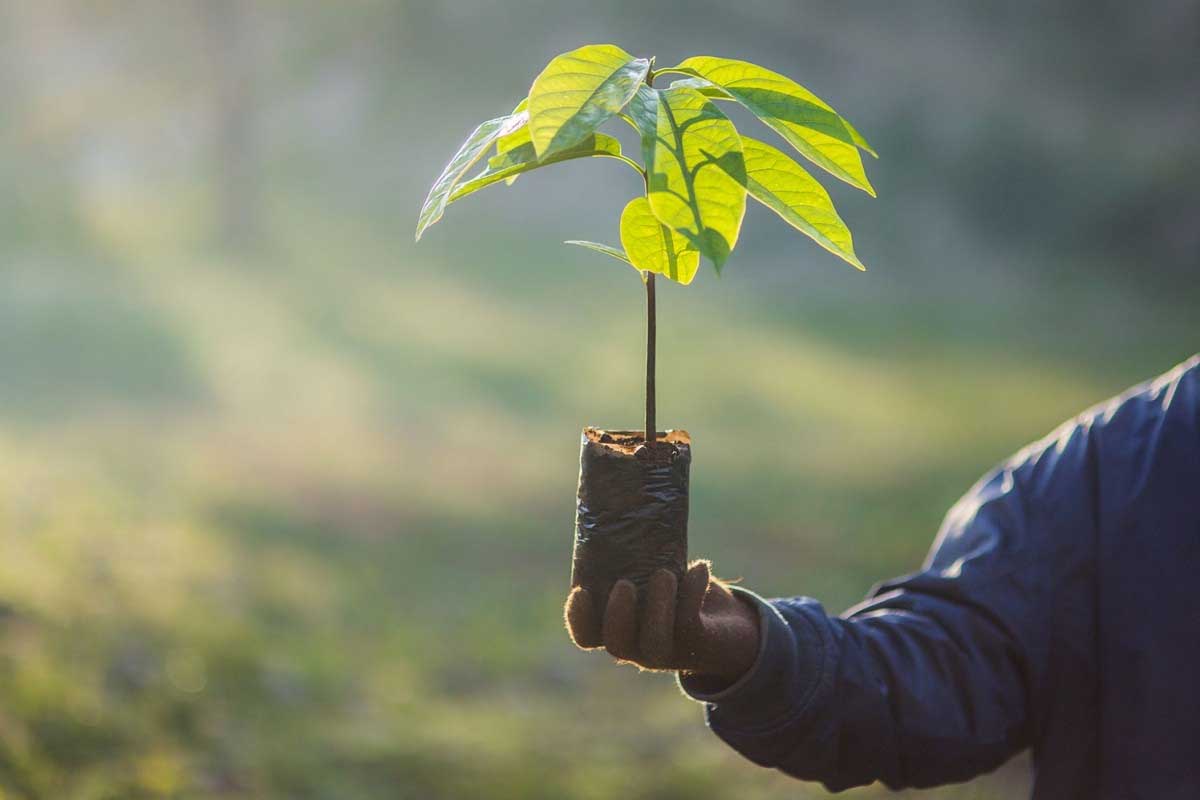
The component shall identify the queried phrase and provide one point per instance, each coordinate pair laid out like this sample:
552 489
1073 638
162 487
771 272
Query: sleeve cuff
778 685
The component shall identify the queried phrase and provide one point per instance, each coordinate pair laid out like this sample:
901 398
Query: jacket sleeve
936 678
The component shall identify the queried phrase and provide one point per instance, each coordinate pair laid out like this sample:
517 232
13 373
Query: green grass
296 524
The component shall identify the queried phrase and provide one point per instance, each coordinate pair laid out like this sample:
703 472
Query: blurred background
286 502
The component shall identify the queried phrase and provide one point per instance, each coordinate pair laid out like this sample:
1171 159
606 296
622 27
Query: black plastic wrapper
632 513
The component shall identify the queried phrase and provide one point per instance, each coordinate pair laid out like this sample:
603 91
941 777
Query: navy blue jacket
1059 610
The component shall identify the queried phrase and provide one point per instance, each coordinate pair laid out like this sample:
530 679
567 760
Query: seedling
697 170
696 167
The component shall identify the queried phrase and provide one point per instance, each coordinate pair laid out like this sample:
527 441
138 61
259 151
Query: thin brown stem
651 423
651 434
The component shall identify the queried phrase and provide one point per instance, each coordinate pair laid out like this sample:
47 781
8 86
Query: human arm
944 674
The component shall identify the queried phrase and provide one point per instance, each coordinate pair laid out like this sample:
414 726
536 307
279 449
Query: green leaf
717 93
858 138
522 159
786 188
469 153
695 172
806 121
515 139
608 250
653 247
579 91
703 87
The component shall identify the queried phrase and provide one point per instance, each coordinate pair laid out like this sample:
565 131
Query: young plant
697 169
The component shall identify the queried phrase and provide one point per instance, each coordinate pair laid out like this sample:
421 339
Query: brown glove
698 626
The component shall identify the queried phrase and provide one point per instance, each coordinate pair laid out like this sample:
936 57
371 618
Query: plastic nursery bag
632 511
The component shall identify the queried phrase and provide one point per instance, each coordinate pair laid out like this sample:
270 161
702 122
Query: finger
687 614
582 622
620 621
691 593
657 634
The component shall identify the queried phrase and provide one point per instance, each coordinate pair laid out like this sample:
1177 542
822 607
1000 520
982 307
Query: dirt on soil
633 443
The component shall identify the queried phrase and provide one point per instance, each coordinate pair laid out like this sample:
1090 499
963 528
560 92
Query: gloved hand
698 626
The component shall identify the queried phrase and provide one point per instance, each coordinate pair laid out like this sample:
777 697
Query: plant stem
651 434
651 424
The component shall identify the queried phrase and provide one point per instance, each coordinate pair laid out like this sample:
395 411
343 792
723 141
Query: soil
633 443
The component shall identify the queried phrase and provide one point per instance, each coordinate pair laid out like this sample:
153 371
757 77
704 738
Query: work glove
695 625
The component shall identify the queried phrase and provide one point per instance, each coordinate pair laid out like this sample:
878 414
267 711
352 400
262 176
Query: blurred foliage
286 503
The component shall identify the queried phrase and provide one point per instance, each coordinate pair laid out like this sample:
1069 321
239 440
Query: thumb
583 623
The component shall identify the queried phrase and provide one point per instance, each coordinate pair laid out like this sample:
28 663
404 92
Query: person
1058 610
